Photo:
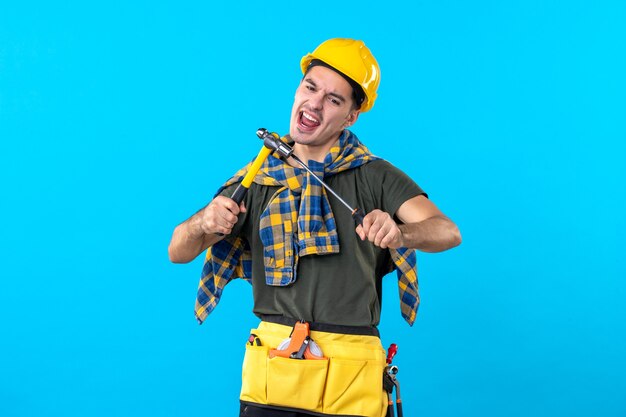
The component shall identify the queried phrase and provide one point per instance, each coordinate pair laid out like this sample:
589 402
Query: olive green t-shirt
343 288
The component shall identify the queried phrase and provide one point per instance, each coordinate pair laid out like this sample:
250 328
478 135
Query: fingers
360 232
392 239
227 203
220 216
380 229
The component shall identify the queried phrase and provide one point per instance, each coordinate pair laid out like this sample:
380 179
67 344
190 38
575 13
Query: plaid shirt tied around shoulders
298 221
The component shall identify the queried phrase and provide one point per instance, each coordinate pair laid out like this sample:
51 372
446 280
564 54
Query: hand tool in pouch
299 345
390 381
254 339
271 140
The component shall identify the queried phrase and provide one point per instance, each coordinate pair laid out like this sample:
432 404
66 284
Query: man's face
322 108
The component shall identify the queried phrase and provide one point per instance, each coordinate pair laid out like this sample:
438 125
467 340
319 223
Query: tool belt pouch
347 382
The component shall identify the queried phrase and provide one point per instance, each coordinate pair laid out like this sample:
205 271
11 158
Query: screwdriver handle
358 215
391 352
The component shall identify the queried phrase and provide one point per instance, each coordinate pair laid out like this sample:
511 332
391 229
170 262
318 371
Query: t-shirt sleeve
390 186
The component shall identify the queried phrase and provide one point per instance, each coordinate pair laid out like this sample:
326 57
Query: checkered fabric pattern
297 222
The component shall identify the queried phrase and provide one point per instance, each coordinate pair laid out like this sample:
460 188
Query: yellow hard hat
353 59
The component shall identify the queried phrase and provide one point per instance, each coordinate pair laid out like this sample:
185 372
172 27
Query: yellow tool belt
348 382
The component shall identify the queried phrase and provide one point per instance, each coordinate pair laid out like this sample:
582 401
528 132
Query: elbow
176 251
451 235
175 256
172 255
455 236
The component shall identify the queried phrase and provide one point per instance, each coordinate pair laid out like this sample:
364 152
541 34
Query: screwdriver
272 141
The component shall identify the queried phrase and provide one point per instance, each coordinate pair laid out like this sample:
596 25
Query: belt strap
323 327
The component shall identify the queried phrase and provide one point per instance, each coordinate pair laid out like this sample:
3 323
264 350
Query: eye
309 87
334 101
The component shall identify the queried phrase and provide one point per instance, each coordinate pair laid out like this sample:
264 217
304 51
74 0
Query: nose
317 100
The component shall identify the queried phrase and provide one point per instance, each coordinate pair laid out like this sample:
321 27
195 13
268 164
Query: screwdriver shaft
298 160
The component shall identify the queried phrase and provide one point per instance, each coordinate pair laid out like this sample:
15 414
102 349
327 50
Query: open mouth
307 122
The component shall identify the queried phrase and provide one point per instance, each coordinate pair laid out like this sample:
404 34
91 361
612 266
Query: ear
351 118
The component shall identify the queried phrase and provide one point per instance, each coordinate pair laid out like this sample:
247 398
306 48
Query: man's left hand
380 229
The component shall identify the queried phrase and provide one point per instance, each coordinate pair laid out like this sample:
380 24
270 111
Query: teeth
309 117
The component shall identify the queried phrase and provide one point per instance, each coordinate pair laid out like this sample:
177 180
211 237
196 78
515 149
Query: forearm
435 234
189 240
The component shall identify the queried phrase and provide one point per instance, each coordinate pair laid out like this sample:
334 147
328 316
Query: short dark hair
358 95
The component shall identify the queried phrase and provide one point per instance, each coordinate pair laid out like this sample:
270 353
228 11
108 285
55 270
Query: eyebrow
336 95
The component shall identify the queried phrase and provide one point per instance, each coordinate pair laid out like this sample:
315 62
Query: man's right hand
205 228
220 216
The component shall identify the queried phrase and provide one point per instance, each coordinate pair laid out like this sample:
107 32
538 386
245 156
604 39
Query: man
305 257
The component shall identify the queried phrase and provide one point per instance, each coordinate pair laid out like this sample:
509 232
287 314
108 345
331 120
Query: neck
316 153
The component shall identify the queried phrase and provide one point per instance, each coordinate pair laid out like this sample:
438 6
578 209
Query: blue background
118 120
